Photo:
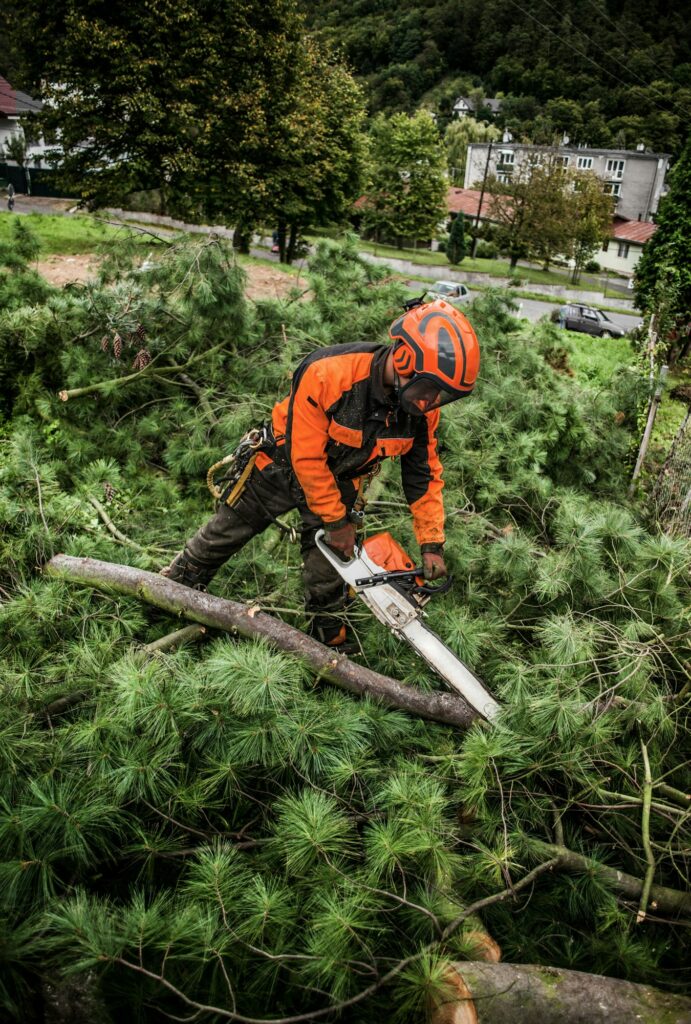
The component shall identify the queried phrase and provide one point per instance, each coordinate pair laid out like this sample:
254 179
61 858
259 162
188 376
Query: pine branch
118 534
668 901
645 836
172 641
203 400
234 617
147 371
683 799
372 989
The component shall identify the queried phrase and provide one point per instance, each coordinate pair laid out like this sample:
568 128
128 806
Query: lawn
65 236
596 360
493 268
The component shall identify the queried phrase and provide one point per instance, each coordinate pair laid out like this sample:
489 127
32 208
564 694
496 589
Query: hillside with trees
604 73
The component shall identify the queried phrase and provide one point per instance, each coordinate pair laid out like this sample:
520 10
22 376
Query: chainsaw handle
427 590
408 576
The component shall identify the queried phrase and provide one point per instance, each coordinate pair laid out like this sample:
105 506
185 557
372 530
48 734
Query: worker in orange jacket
349 407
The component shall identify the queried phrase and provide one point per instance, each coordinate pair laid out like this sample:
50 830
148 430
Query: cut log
234 617
486 993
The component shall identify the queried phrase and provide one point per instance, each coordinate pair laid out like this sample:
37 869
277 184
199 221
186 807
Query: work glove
433 565
341 540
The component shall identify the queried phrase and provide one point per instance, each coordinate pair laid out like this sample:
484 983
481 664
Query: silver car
450 291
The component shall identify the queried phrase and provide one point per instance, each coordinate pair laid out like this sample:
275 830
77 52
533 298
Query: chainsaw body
385 578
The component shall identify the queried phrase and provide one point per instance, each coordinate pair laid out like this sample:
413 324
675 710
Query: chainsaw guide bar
398 601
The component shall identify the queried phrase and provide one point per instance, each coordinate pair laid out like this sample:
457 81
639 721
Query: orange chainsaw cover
387 553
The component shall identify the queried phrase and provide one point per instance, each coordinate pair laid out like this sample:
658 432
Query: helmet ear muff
403 359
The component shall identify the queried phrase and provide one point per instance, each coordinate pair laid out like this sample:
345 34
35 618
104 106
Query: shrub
486 251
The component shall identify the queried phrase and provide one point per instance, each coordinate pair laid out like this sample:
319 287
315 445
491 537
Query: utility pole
482 196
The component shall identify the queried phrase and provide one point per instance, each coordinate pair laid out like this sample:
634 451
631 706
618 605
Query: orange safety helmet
437 353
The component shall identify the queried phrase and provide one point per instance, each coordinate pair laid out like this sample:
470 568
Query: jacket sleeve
307 435
421 472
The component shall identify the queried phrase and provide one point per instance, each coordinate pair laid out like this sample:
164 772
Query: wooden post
652 413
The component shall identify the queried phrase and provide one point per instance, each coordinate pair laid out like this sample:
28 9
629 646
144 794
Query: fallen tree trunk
502 993
234 617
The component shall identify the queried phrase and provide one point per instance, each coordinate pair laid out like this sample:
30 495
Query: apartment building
633 177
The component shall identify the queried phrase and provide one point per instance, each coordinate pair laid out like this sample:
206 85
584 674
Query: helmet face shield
423 394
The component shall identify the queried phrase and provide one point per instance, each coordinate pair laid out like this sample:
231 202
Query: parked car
451 291
589 320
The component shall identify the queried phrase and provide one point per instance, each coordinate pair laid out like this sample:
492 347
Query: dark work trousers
268 493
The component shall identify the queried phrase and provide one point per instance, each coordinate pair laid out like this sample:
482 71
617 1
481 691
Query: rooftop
14 102
576 150
640 231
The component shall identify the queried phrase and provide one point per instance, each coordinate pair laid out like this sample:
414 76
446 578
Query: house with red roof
622 250
17 107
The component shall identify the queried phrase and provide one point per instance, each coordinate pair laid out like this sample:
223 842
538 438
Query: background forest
603 73
213 831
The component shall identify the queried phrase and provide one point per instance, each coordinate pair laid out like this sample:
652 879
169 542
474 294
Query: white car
451 291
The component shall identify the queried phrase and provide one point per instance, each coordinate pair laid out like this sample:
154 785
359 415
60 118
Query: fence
672 491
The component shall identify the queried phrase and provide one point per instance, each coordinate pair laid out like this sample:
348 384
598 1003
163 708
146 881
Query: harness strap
239 485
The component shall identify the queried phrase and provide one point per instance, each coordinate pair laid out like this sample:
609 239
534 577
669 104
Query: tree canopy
219 107
663 273
405 198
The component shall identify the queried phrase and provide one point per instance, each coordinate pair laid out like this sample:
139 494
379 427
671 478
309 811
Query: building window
623 250
503 177
605 245
613 188
506 157
615 169
584 163
561 161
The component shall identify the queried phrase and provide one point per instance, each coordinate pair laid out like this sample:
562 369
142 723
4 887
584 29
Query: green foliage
457 137
663 273
456 246
217 816
225 112
406 196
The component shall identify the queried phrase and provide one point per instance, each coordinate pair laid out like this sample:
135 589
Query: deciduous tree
590 212
408 186
457 137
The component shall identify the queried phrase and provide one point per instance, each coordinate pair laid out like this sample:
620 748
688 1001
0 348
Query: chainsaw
393 588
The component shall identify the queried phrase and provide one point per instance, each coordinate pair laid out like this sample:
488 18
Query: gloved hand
342 539
434 565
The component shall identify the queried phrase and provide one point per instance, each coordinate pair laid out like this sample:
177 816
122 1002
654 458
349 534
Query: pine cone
108 491
142 359
117 346
105 343
141 331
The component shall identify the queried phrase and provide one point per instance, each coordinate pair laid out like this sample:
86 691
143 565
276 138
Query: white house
16 106
623 250
465 107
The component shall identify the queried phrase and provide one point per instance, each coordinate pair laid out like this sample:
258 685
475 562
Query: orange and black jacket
338 423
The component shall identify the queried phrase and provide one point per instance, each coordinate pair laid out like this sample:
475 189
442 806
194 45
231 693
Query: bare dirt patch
61 270
267 283
262 282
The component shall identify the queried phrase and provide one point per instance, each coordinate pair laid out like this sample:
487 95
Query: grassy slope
65 236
